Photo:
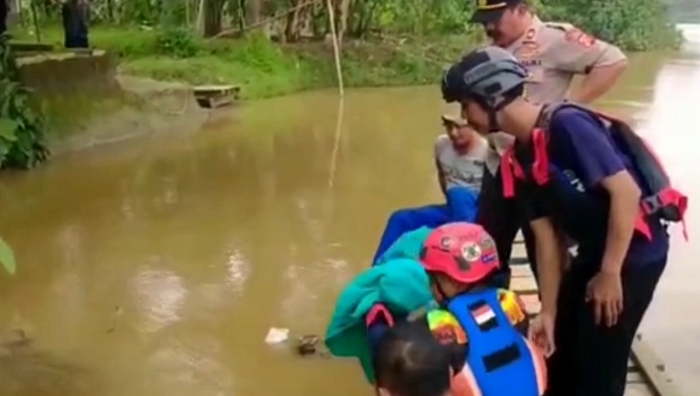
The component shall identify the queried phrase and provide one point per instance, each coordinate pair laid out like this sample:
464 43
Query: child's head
458 130
458 256
410 362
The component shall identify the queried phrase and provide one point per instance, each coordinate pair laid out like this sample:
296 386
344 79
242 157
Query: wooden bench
214 96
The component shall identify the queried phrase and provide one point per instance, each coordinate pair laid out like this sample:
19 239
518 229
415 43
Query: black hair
410 362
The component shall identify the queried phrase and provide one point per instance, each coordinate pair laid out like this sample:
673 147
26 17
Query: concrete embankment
88 103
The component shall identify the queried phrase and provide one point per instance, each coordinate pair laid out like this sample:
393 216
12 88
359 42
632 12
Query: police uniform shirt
553 54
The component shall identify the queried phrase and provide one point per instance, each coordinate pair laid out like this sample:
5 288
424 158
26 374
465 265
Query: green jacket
400 284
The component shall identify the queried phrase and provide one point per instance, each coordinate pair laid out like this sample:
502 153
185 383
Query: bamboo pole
336 143
336 50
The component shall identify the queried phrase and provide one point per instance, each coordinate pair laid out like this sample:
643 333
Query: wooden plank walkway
646 373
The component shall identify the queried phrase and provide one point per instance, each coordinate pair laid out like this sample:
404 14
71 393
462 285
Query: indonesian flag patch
484 316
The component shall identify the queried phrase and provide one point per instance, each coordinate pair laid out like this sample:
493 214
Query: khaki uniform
553 53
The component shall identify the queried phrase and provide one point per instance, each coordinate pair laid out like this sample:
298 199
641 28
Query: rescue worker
485 328
570 169
553 54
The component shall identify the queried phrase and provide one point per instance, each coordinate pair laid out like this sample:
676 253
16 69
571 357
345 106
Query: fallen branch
233 32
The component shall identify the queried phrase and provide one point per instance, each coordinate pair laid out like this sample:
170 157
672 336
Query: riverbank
85 102
264 68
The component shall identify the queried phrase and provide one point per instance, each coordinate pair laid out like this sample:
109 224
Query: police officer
553 53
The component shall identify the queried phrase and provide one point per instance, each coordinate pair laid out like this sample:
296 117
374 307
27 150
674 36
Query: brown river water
156 266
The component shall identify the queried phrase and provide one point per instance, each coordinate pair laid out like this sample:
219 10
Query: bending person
482 328
572 167
553 54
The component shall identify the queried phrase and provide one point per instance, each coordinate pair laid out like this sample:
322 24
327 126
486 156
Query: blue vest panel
498 354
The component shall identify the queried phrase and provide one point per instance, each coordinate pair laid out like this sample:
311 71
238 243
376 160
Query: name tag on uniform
535 74
529 55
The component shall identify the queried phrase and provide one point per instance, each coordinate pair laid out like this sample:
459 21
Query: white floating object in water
277 336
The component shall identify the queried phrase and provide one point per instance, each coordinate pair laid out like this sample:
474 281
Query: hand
605 291
541 332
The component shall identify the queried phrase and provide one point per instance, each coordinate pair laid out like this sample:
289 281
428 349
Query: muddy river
156 266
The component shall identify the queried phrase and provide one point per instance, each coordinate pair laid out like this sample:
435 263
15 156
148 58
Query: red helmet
463 251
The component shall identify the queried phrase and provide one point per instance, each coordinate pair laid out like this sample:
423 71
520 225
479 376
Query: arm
579 53
624 207
441 177
549 266
597 82
534 207
440 171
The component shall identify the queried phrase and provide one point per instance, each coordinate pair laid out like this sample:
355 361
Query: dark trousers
590 359
500 218
75 25
4 12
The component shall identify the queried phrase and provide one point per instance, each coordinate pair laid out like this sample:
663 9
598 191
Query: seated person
485 328
459 157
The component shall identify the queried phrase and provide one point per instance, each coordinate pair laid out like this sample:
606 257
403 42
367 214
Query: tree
213 10
253 11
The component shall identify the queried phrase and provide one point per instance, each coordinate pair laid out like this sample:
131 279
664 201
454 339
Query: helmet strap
493 121
441 292
494 107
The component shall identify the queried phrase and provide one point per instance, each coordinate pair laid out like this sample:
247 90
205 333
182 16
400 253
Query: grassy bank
264 68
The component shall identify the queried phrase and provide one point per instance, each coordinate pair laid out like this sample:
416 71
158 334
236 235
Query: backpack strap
648 205
510 170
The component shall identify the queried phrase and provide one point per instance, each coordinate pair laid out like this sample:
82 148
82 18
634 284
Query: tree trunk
252 12
291 31
343 25
241 14
212 17
110 11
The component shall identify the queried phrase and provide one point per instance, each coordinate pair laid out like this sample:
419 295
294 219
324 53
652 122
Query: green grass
264 68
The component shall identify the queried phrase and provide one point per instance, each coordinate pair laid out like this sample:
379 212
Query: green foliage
177 42
631 24
140 11
421 17
22 143
265 69
635 25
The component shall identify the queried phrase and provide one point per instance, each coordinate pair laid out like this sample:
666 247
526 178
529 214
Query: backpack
659 198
